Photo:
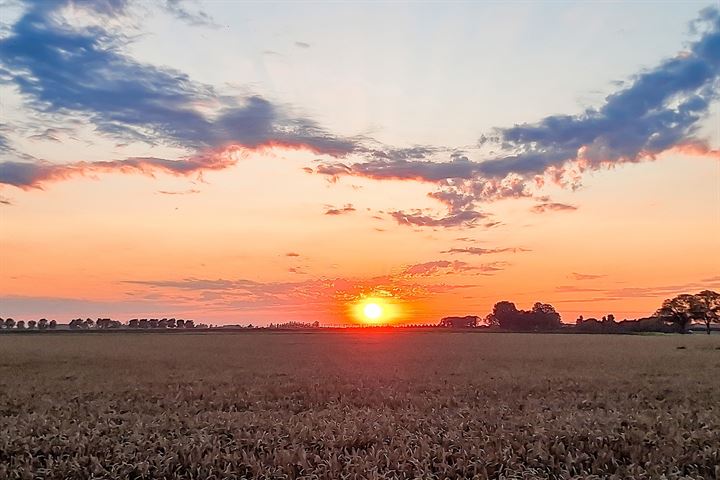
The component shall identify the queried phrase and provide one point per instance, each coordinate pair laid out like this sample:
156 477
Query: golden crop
359 405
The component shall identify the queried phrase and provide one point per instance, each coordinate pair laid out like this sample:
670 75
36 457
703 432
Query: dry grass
359 405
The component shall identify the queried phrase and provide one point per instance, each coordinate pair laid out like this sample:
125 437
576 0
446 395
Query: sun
372 311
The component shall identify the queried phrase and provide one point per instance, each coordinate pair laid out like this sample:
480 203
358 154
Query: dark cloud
292 254
33 175
552 207
62 70
347 208
5 201
302 45
657 110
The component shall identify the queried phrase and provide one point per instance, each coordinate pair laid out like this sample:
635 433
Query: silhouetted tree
542 316
678 311
52 325
579 320
20 325
189 324
143 323
32 324
153 323
89 323
134 323
163 323
180 323
706 308
9 323
42 324
171 323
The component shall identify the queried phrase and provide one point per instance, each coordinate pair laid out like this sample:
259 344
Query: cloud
28 175
199 18
5 201
552 207
73 71
292 254
330 210
485 251
657 110
585 276
462 219
179 192
302 45
439 266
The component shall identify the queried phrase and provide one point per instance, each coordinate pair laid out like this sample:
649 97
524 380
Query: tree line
101 324
675 314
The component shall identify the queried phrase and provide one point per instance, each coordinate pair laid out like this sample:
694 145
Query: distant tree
20 325
504 315
89 323
171 323
678 311
153 323
579 320
134 323
52 325
611 318
189 324
143 323
9 323
706 308
42 324
32 324
316 324
545 317
163 323
180 323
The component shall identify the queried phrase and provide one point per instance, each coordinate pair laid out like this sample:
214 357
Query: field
359 405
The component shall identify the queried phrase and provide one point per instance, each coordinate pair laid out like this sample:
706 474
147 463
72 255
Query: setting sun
372 311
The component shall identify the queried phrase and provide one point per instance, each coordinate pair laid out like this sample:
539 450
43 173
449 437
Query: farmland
359 405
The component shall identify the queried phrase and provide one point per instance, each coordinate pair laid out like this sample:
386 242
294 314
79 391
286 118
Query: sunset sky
261 162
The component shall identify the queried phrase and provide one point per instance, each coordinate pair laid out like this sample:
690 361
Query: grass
359 405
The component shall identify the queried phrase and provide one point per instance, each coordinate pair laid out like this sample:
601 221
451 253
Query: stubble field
359 405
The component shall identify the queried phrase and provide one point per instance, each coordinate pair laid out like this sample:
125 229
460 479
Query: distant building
469 321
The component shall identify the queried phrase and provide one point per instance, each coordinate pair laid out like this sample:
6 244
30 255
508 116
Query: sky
239 162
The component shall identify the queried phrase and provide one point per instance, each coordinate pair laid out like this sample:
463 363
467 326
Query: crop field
359 405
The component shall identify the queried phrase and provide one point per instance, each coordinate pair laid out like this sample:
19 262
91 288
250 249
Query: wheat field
359 405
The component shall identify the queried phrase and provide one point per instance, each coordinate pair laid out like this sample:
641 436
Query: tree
42 324
9 323
706 308
180 323
52 325
504 315
134 323
20 325
189 324
32 324
579 320
89 323
678 311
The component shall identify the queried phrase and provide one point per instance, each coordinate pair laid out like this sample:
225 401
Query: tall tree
707 308
678 311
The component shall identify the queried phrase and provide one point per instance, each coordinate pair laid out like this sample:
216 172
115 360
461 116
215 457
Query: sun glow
372 311
376 310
